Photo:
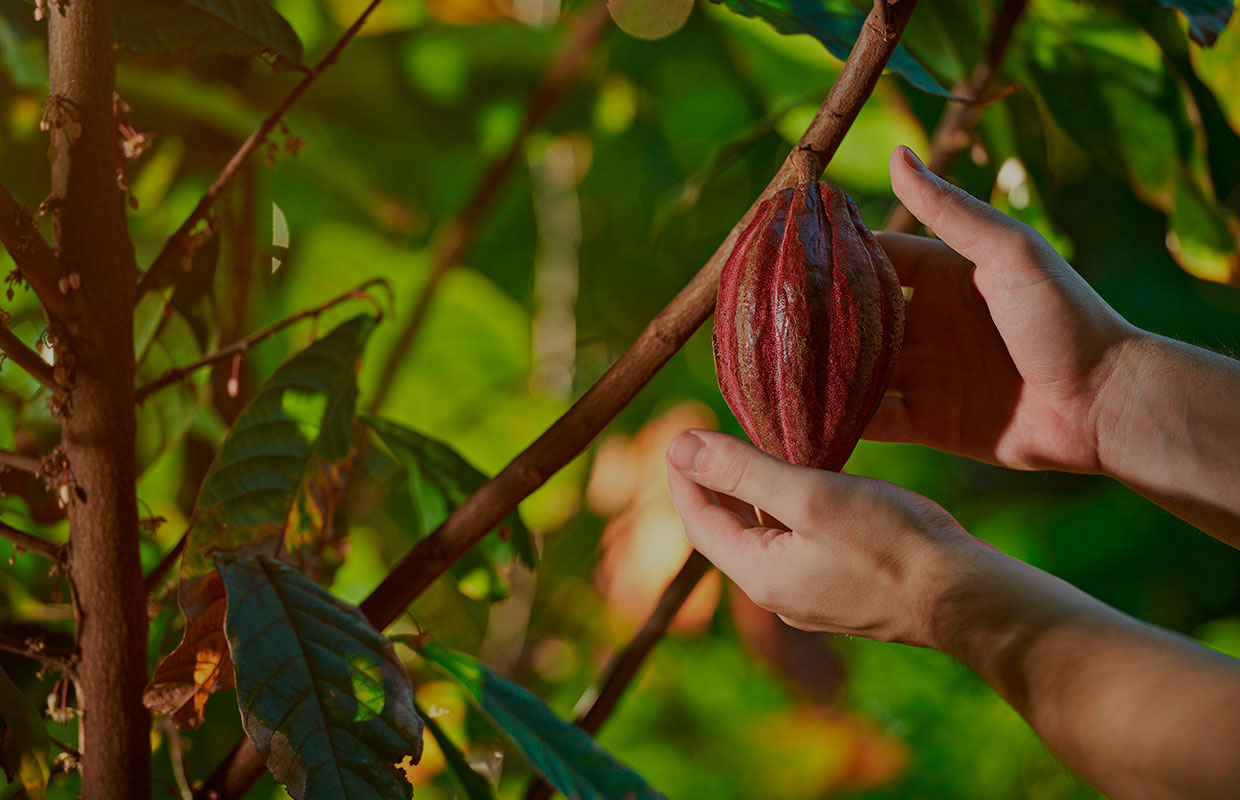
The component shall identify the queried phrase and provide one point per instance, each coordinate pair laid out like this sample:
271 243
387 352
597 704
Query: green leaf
273 488
24 743
201 27
473 784
1206 18
1142 123
323 696
298 424
561 752
440 479
836 26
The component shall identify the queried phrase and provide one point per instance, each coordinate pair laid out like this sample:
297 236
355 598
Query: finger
891 422
972 228
714 531
729 466
911 254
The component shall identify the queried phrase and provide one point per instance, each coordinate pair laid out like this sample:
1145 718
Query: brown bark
98 425
574 431
951 134
35 260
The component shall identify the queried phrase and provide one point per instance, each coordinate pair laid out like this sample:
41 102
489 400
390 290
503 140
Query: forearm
1168 426
1136 711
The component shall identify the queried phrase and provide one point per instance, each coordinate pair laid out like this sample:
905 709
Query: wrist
1126 374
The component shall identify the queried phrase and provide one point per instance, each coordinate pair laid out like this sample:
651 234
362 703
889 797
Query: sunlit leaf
440 479
23 741
836 25
1219 68
323 696
273 488
1206 18
472 784
200 27
1142 124
561 752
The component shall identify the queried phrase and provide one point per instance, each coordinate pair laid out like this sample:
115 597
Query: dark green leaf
474 785
1206 18
298 425
200 27
23 754
561 752
272 488
836 25
322 694
440 479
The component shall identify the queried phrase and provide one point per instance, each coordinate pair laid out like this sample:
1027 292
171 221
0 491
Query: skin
1012 359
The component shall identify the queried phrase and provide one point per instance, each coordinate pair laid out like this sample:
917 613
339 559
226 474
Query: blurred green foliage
1121 144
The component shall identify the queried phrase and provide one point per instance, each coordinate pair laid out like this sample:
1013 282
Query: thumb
726 465
974 229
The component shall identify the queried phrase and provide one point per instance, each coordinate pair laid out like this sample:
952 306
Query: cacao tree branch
624 666
458 235
574 431
21 355
176 243
951 134
34 647
33 544
20 461
242 346
34 258
99 427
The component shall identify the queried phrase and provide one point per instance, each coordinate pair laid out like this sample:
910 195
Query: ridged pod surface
808 326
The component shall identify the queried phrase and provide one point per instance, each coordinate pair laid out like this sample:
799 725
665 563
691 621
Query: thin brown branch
574 431
243 346
34 258
34 647
176 243
21 355
624 666
21 461
951 134
33 544
459 234
156 575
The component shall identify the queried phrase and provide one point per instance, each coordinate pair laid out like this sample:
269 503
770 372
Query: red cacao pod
808 325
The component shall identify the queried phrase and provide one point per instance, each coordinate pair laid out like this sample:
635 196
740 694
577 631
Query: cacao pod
808 325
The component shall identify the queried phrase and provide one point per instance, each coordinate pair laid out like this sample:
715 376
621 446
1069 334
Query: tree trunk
95 361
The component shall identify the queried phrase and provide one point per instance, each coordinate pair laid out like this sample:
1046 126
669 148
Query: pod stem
806 165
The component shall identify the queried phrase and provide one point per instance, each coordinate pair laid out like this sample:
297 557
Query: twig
26 358
33 544
173 247
624 666
156 575
571 433
35 260
34 647
460 233
176 755
20 461
951 133
242 346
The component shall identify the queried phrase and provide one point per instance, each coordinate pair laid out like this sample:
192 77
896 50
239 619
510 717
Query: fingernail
685 451
911 159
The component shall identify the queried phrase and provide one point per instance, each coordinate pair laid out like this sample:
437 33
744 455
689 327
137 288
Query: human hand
846 554
1007 350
